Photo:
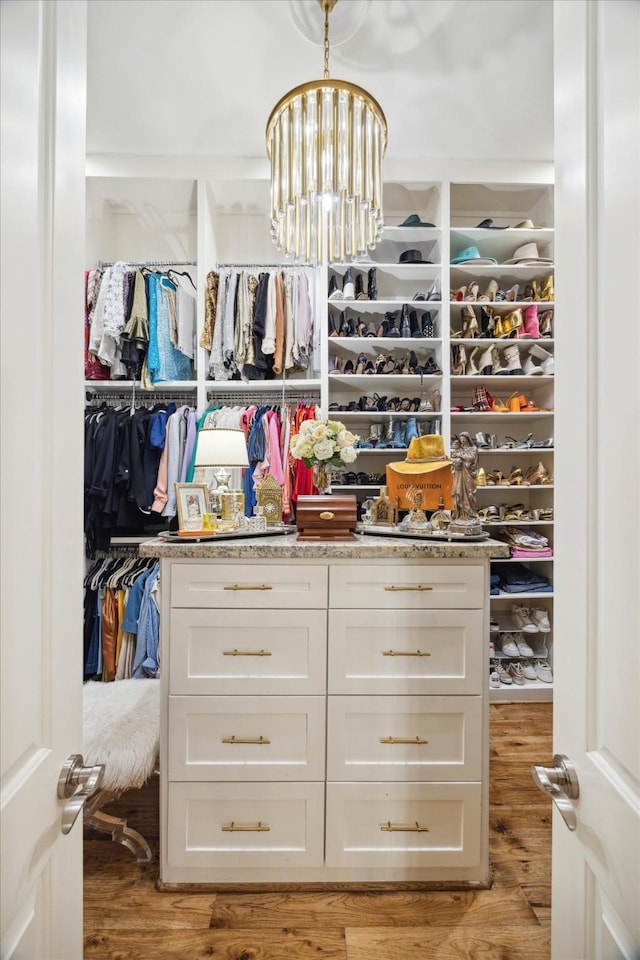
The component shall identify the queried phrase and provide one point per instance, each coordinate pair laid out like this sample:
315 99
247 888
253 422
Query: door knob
561 783
76 784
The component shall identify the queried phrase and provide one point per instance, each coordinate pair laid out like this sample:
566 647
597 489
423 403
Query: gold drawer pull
242 586
404 653
234 827
262 741
417 586
326 515
402 740
246 653
389 827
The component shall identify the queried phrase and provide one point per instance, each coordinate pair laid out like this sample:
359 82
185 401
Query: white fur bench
121 729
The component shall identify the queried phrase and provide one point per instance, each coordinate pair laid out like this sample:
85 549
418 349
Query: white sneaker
528 670
543 671
509 645
494 679
503 675
516 672
521 619
540 618
524 650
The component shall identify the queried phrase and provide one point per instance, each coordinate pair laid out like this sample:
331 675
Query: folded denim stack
516 578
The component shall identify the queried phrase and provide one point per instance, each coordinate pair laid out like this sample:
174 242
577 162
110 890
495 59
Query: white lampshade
221 448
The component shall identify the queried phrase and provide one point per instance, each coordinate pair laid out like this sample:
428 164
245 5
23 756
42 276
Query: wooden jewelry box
326 517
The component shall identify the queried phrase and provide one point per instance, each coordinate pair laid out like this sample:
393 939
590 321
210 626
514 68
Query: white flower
348 454
324 450
320 432
345 439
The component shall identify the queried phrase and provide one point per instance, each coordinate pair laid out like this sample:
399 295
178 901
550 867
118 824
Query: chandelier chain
326 40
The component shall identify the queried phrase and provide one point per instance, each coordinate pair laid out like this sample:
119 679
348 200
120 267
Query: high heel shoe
490 293
485 362
458 360
512 293
473 370
458 295
472 291
498 369
511 324
361 363
470 328
334 325
538 475
547 292
531 323
415 328
546 324
430 368
392 330
405 325
428 328
360 294
487 324
433 293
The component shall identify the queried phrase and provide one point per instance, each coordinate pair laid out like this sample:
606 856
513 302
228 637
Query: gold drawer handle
404 653
417 586
262 741
326 515
234 827
389 827
402 740
242 586
246 653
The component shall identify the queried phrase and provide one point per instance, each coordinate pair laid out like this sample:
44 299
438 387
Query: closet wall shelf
401 271
122 386
489 415
504 270
261 386
533 690
526 595
353 344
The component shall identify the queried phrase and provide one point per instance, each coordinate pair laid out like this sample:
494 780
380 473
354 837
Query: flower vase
322 477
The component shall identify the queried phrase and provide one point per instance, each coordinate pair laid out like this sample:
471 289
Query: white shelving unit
170 216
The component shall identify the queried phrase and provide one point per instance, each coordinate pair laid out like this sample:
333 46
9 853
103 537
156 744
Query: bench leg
115 826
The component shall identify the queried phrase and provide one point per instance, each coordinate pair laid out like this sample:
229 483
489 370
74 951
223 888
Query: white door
596 869
42 239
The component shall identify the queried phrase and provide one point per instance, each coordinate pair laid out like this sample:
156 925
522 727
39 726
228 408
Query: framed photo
192 500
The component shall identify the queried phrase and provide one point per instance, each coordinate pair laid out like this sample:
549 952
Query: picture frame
192 501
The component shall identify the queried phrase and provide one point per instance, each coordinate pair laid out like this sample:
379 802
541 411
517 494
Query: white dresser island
324 712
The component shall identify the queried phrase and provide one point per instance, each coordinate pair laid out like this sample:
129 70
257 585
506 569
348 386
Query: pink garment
160 495
275 466
285 435
529 554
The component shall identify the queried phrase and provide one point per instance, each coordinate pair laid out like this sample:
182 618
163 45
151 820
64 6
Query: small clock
269 497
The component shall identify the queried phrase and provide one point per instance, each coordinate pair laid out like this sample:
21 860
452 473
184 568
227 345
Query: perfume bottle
382 512
261 520
440 518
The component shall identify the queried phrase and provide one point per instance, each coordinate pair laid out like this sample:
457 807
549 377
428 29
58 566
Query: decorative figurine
464 467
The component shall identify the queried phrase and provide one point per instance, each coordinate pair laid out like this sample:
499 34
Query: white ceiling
463 79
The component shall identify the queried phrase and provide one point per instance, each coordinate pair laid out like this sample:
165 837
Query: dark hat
412 256
413 220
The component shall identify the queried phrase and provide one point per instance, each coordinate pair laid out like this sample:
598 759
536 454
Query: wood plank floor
126 918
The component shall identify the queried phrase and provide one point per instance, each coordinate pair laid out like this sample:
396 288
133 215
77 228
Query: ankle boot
398 441
546 328
372 287
360 294
411 430
348 287
531 322
458 360
427 324
405 326
514 364
392 320
416 329
498 369
547 363
334 292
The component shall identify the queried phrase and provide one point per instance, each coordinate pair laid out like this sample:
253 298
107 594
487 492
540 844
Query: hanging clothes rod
263 266
117 400
268 397
150 263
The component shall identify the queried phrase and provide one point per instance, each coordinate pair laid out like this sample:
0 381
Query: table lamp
222 448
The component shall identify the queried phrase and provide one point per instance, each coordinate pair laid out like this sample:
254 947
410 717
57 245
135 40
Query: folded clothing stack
516 578
494 582
525 544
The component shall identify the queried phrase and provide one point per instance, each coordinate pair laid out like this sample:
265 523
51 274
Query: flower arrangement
323 443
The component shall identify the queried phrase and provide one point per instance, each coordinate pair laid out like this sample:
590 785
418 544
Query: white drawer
214 738
404 738
247 651
245 824
406 585
376 824
406 652
236 585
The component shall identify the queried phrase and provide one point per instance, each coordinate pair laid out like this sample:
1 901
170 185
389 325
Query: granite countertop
287 546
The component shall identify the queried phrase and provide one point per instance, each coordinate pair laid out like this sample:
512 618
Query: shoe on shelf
528 670
540 618
522 620
503 675
543 671
516 673
509 645
494 678
523 647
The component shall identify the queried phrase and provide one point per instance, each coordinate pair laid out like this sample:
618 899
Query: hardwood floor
126 918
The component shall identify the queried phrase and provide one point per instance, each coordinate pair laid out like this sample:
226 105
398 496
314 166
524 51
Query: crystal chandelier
326 140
